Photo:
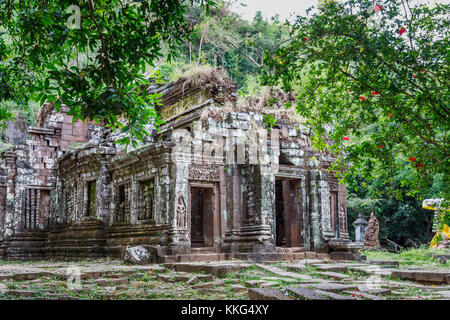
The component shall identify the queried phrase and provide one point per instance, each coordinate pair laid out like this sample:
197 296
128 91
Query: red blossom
375 93
412 159
419 165
363 98
389 115
346 138
414 76
401 31
305 39
380 147
377 8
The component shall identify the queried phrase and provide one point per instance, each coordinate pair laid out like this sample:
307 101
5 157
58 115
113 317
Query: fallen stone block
307 294
295 267
335 296
421 275
364 295
104 282
332 267
137 255
209 285
373 290
444 294
431 276
266 294
330 286
335 275
385 263
22 293
238 288
254 283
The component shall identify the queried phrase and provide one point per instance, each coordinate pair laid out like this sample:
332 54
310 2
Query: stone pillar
253 212
342 202
104 193
319 211
10 161
179 241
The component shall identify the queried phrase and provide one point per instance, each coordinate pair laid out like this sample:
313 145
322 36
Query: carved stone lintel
205 172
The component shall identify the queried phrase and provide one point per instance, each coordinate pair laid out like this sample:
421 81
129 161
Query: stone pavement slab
307 294
266 294
330 286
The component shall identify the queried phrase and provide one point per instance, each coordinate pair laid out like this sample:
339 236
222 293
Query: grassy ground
422 257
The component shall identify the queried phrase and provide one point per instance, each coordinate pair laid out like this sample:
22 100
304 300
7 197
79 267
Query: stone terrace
300 280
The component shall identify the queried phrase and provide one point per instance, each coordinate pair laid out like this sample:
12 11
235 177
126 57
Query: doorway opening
289 214
202 215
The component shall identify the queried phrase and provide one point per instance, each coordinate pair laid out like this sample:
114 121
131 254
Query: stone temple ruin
213 183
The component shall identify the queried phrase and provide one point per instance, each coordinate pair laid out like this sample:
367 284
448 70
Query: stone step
290 249
194 257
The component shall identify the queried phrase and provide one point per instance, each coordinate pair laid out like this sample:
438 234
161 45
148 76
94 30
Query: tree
92 57
372 80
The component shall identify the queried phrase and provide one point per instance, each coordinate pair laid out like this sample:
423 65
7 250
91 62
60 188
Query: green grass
411 257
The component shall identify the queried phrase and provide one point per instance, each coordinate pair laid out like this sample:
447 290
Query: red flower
353 294
421 71
346 138
389 115
350 90
401 31
412 159
419 165
377 8
305 39
414 76
363 98
375 93
380 147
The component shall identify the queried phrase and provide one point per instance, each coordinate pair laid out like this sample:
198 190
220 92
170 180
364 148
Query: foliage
220 38
96 68
400 215
413 256
378 91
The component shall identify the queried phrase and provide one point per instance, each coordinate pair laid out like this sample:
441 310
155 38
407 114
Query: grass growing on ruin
411 257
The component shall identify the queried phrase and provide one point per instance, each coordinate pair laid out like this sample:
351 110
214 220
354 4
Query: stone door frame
216 223
303 214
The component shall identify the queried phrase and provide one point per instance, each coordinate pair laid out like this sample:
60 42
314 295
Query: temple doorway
289 214
201 216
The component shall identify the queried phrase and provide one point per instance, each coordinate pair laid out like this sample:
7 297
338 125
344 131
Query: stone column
179 241
319 210
255 206
104 193
10 161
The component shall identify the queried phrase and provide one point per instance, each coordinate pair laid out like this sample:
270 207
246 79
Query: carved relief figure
181 213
